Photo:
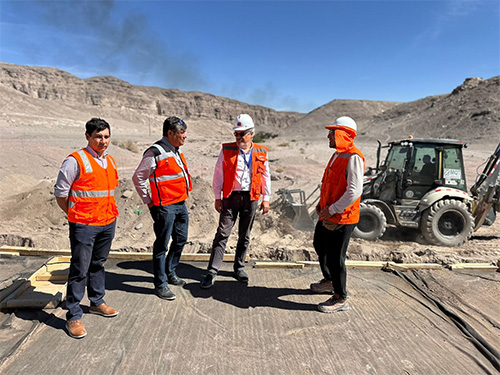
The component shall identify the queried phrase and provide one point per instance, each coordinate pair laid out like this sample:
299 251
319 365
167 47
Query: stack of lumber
44 289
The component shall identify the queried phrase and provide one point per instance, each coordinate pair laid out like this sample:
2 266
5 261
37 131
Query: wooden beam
364 264
187 257
395 266
278 265
308 263
473 266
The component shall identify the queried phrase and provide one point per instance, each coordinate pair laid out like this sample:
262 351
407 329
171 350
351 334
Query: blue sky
287 55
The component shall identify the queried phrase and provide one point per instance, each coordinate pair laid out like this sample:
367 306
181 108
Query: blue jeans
169 221
90 247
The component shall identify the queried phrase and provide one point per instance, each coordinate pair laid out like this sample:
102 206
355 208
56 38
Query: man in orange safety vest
241 178
85 191
338 211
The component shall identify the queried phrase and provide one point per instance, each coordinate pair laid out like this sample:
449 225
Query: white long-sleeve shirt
70 172
243 176
355 170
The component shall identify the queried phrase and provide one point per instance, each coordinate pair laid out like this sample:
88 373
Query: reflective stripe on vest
86 162
92 195
96 194
170 182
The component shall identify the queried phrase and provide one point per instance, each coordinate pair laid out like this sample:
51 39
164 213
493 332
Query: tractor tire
372 223
447 223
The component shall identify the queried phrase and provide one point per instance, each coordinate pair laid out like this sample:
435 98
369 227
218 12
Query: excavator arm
486 189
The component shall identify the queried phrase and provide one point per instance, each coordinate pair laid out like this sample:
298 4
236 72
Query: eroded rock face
469 83
56 85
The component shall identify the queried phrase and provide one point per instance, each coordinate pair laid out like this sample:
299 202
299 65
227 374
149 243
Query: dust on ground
30 215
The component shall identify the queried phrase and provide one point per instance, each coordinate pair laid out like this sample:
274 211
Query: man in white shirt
241 177
338 210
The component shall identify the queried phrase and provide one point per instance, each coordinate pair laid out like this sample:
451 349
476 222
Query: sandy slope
32 149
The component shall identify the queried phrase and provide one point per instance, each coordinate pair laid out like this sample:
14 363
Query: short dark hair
173 123
96 124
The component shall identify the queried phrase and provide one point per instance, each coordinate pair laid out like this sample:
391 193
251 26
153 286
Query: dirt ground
32 150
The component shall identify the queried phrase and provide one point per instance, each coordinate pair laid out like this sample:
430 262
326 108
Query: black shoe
208 281
241 276
165 293
176 280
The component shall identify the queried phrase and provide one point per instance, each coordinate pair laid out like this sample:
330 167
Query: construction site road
414 322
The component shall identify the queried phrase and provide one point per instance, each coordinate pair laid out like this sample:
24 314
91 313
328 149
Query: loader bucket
302 219
296 199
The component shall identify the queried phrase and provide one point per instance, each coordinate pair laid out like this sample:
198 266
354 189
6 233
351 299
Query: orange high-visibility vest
230 164
170 182
92 195
334 185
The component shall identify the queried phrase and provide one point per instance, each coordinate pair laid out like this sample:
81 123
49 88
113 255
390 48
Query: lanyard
249 162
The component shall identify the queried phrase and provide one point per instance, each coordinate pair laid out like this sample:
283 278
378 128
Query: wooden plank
33 293
308 263
49 302
188 257
473 266
52 277
11 288
59 260
12 253
278 265
423 266
395 266
364 264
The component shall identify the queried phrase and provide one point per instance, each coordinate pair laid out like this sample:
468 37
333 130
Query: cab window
453 170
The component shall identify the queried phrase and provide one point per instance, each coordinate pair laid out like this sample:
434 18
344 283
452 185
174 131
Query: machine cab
413 167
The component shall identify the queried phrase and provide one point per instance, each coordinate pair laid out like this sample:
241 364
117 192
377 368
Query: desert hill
363 111
43 112
470 112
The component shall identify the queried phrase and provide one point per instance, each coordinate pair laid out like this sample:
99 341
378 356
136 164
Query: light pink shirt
243 176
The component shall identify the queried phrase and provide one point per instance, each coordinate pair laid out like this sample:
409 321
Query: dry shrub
127 145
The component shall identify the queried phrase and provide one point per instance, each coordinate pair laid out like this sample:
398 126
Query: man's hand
318 208
218 205
150 204
62 202
325 213
264 206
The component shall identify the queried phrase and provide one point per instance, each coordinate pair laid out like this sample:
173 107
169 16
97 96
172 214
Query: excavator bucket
302 218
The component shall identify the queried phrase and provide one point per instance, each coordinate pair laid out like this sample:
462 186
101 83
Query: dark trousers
169 221
331 247
90 247
238 203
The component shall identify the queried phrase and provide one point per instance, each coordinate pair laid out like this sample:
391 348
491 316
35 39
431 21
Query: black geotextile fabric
451 293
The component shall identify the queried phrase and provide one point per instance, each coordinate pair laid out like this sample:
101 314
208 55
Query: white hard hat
344 122
243 122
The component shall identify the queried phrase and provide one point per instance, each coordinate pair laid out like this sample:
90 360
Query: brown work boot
333 304
76 329
104 310
322 286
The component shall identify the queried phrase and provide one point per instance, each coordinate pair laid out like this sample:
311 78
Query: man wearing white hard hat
338 211
241 178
